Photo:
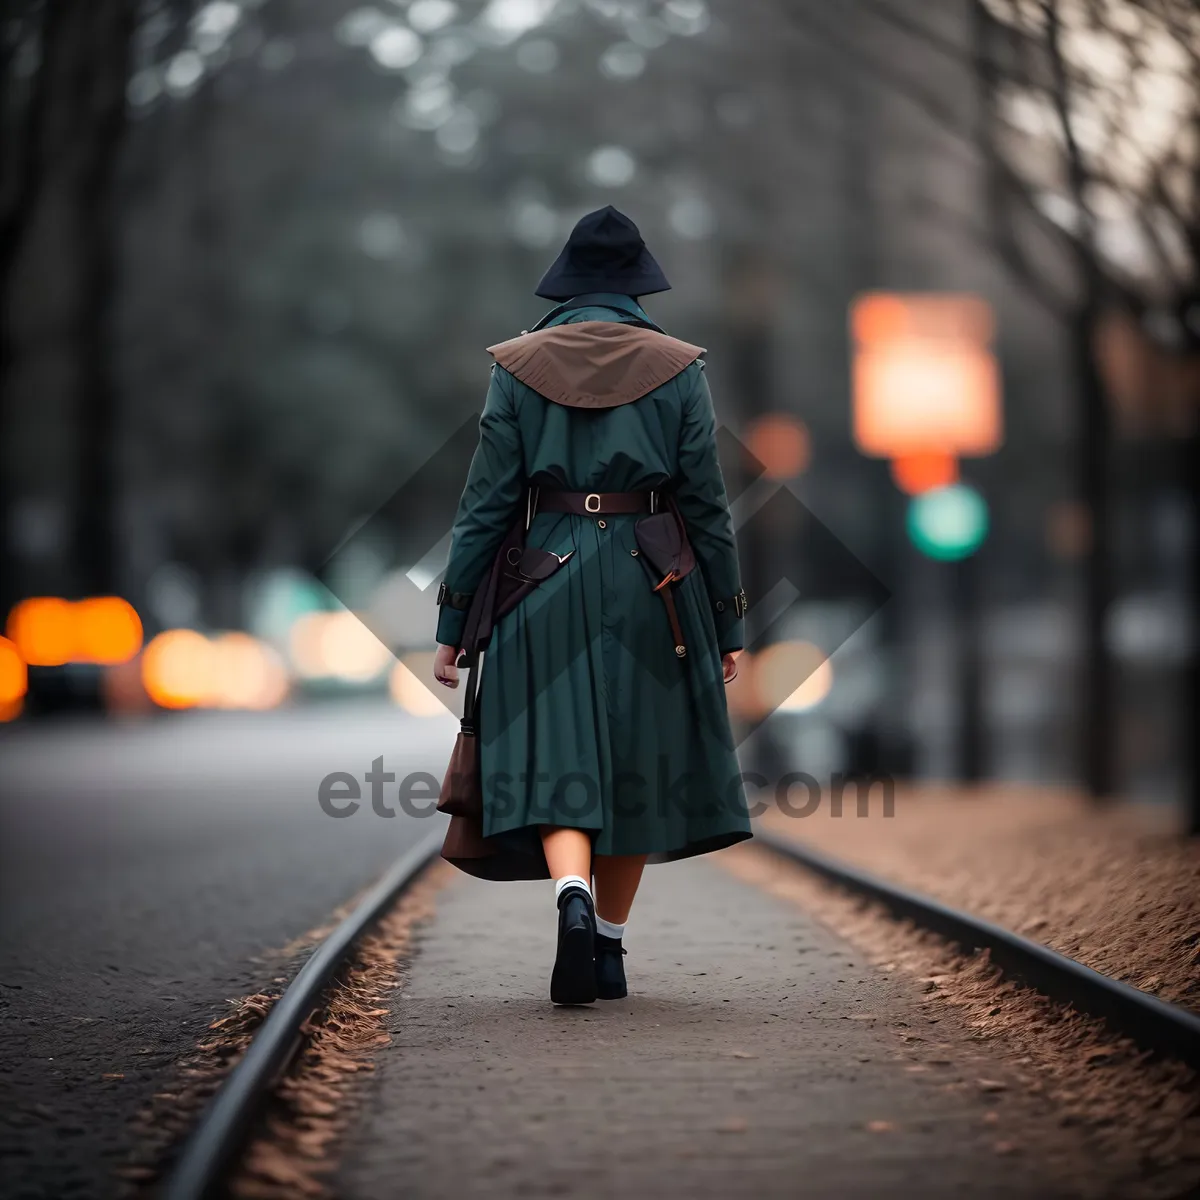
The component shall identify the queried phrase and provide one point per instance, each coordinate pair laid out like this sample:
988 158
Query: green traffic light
948 523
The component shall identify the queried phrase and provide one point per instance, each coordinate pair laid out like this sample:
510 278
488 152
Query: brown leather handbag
462 789
663 542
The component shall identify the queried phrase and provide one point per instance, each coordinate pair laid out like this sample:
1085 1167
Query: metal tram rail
1152 1023
230 1118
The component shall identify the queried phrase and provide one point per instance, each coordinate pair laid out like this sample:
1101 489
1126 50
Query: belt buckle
587 502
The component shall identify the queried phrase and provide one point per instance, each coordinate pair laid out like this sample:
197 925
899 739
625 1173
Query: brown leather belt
588 504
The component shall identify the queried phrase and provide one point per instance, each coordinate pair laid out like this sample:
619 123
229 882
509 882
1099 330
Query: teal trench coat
587 718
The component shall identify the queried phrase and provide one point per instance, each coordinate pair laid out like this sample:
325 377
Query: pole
969 666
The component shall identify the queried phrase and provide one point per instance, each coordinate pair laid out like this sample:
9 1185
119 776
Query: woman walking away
603 735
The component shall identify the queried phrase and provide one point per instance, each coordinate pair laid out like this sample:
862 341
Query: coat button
602 524
720 606
634 552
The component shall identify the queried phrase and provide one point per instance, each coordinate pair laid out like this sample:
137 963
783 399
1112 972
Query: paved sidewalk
757 1055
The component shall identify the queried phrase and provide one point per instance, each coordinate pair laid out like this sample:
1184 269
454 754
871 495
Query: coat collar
594 364
591 299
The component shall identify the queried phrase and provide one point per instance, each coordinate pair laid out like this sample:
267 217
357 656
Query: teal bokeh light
948 523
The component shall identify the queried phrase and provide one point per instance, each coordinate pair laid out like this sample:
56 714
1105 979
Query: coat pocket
663 542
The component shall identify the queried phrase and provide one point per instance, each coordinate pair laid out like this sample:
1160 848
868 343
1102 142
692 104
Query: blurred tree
1088 130
1100 125
65 108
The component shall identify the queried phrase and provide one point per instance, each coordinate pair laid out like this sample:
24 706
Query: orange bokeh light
917 473
107 630
178 668
781 443
14 677
182 668
49 631
246 673
792 676
43 629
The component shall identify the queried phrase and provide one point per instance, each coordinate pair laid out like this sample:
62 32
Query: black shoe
610 969
574 977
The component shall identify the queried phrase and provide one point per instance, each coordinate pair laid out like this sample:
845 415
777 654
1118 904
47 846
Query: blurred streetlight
177 669
14 680
42 630
51 632
107 630
781 443
336 645
181 668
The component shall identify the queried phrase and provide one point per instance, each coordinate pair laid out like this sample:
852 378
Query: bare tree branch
948 118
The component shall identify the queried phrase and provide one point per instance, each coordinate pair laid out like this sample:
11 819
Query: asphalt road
143 870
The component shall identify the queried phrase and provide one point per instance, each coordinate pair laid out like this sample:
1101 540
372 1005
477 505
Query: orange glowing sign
925 379
49 631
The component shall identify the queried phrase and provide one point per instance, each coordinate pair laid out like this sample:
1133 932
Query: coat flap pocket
539 564
525 567
662 540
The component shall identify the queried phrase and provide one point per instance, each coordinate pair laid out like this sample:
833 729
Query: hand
444 669
729 665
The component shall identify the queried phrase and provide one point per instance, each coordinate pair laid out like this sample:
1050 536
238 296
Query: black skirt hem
516 854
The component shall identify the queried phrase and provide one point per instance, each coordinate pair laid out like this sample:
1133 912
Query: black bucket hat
605 253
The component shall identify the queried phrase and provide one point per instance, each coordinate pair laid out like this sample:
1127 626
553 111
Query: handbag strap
471 694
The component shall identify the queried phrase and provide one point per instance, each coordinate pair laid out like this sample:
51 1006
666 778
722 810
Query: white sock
560 885
608 929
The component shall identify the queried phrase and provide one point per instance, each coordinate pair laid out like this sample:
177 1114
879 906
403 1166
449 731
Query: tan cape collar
594 364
